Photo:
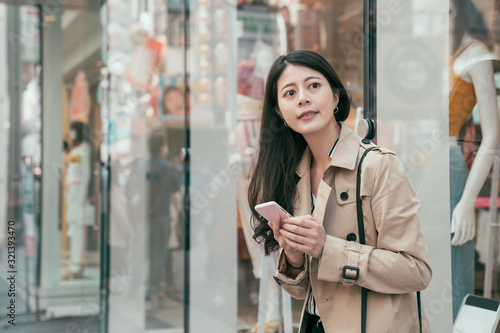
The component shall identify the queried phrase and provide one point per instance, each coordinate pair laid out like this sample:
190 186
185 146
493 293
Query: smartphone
269 210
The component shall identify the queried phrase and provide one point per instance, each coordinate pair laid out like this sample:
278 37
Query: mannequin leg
76 251
462 257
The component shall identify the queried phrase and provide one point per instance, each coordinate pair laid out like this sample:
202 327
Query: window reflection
20 153
146 103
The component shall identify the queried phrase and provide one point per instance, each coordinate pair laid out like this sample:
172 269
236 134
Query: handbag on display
361 230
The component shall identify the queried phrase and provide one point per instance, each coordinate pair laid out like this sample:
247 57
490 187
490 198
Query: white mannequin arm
463 218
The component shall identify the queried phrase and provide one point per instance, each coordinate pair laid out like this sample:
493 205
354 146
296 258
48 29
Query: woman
307 162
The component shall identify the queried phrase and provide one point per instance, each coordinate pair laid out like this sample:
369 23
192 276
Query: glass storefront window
436 65
144 95
411 105
474 125
49 126
137 122
20 112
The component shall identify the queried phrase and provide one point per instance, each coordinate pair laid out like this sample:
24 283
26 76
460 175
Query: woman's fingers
294 245
304 221
296 238
304 234
309 218
301 225
275 225
297 229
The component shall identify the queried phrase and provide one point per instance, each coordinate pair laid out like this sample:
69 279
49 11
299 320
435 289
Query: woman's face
306 100
174 103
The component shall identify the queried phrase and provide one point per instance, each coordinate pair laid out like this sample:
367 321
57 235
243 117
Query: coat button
365 141
344 196
351 237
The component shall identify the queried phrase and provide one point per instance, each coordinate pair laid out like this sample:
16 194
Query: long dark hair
467 20
280 148
81 132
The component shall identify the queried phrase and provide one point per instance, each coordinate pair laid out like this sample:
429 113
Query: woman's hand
303 234
293 256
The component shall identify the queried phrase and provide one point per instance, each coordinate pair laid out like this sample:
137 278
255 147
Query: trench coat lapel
303 202
304 188
345 156
346 153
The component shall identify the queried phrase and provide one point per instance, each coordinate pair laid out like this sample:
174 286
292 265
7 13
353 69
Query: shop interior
109 95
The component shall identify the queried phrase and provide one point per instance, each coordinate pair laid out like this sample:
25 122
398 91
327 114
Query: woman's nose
303 97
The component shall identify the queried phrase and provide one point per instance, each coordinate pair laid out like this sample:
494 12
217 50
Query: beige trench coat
392 265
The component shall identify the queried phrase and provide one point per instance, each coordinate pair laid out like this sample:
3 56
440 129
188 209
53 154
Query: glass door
20 169
146 106
50 176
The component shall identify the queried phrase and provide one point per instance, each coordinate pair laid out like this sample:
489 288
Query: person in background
174 109
76 192
173 102
162 186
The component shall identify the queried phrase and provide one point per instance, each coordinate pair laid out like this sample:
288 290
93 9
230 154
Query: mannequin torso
474 65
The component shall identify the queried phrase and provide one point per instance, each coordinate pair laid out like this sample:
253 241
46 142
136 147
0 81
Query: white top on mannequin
474 65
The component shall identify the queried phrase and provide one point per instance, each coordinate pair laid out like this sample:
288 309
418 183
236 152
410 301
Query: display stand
477 315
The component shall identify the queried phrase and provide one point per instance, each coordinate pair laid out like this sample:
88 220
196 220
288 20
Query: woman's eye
314 85
290 93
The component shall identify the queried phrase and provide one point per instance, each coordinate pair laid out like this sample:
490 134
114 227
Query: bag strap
359 208
361 231
419 312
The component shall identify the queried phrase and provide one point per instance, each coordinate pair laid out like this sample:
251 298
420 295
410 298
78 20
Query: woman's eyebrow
312 77
287 85
305 80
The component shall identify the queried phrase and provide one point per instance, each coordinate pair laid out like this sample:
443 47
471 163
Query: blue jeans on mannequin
462 257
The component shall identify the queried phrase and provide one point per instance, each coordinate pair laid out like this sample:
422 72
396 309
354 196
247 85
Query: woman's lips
308 115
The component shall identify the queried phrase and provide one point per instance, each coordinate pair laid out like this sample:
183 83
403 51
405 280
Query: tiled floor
166 316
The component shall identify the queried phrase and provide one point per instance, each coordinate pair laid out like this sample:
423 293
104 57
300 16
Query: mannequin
76 188
471 68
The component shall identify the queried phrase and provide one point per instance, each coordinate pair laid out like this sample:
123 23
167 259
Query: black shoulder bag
361 231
